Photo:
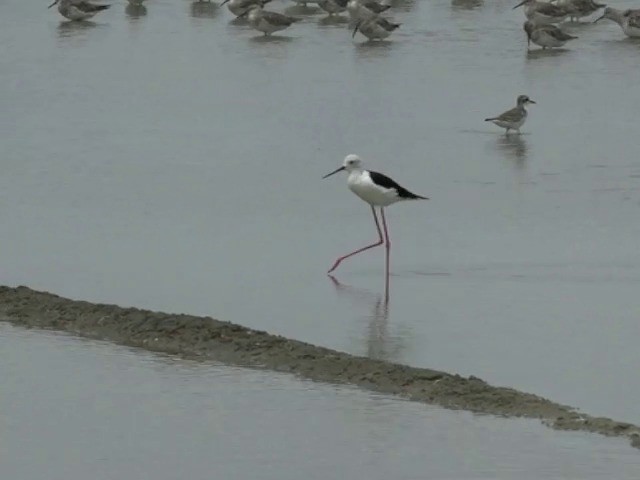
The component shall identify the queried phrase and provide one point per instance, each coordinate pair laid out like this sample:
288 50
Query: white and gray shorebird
513 119
376 28
546 36
543 13
333 7
629 20
78 10
240 7
377 190
580 8
268 22
365 9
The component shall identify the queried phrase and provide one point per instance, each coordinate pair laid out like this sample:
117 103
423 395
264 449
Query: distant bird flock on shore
366 16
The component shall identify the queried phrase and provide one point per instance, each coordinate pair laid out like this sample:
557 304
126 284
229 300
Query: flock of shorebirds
541 17
375 188
365 16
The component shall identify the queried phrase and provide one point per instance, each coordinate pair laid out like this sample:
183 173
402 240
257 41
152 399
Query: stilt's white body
360 183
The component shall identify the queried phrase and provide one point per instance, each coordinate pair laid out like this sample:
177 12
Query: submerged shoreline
210 339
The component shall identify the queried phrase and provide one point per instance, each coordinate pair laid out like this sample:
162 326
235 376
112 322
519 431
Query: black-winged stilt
377 190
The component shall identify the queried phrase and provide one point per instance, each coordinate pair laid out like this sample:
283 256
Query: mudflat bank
210 339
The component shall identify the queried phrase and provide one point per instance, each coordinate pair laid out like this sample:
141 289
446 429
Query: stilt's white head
351 162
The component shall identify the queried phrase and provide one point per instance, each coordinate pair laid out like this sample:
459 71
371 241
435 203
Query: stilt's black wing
386 182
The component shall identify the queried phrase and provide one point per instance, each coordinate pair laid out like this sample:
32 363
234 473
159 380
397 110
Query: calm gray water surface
173 160
79 409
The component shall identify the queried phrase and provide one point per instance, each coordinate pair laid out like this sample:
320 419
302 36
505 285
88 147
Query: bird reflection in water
135 10
515 148
204 9
373 50
466 4
70 28
380 345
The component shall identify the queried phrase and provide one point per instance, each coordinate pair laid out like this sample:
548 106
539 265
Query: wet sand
210 339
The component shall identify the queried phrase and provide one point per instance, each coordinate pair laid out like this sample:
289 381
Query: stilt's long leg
378 243
387 244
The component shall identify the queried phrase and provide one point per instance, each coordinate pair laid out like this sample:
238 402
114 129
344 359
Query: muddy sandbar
210 339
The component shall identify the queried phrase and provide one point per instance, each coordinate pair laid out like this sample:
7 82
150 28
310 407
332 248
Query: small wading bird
376 28
268 22
78 10
629 20
580 8
377 190
365 9
240 7
512 119
543 13
547 36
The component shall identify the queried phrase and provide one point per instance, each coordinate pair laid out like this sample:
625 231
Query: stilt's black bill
334 172
52 4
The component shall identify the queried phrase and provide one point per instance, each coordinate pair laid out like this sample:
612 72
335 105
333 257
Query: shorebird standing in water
376 28
547 36
512 119
377 190
629 20
543 13
365 9
580 8
268 22
78 10
240 7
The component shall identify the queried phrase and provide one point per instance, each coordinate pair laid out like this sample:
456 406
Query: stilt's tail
412 196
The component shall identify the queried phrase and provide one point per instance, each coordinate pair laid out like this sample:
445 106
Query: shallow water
172 160
80 409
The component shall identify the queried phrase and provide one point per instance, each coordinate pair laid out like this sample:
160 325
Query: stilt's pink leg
387 244
379 242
